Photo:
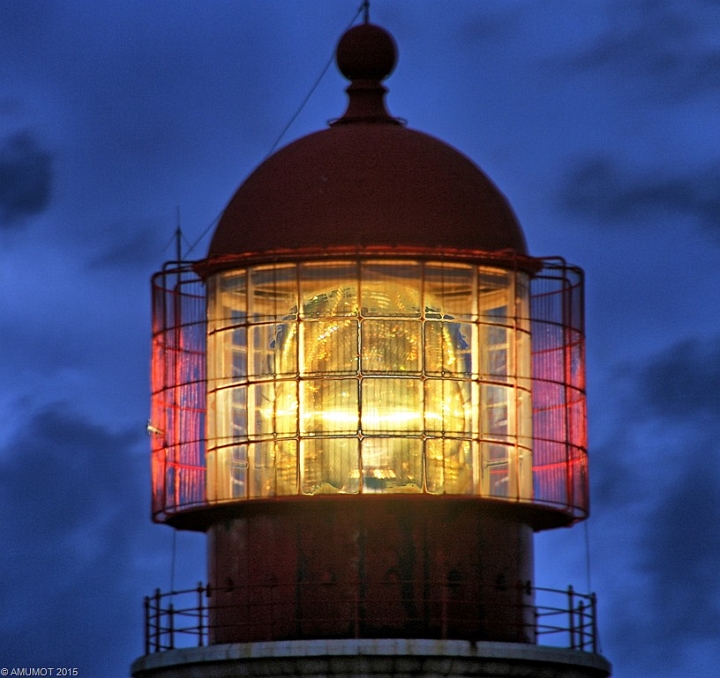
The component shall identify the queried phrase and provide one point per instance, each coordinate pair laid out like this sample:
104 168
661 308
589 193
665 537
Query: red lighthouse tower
369 396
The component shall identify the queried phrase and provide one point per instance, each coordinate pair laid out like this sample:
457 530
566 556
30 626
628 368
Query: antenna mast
178 238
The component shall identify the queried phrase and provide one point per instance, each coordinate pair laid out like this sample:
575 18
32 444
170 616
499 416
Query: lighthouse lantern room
369 396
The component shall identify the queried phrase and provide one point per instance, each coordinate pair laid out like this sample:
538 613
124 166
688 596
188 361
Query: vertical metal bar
177 389
158 619
171 626
571 613
146 606
566 312
201 613
593 603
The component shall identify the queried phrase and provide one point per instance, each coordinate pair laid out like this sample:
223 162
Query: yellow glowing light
379 377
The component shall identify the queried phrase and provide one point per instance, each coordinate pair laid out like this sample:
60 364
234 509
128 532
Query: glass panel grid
229 359
345 377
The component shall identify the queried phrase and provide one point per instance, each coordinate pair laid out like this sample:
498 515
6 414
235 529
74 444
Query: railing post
158 619
146 606
525 591
593 603
571 613
171 626
208 616
201 613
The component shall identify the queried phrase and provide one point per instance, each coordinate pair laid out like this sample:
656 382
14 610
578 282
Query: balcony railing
564 619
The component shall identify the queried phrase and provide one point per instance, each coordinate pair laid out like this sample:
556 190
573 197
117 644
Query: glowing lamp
370 375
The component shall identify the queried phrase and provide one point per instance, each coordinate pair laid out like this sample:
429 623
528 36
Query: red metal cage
177 423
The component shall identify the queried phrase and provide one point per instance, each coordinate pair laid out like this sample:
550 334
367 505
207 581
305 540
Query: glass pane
391 346
495 470
447 406
227 357
392 465
227 415
497 352
330 347
239 413
227 473
284 346
329 406
262 356
238 367
448 348
392 405
262 469
391 289
495 295
496 402
227 296
214 489
272 293
273 468
448 466
524 472
450 291
273 349
272 409
330 465
329 289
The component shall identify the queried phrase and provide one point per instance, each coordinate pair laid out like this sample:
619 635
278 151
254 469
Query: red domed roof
367 181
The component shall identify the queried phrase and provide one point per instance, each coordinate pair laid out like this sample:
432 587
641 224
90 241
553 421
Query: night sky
598 120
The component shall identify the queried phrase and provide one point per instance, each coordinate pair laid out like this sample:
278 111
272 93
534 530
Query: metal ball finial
366 52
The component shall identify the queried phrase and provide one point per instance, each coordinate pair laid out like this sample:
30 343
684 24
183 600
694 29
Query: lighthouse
369 396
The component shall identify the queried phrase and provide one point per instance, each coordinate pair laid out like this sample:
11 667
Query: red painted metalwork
178 619
367 180
367 185
177 422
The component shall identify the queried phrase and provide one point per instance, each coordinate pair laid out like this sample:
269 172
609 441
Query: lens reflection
371 386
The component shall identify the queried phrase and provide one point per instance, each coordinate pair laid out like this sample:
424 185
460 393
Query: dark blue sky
598 120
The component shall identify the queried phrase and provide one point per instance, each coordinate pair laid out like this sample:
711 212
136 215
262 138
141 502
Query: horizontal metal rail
560 618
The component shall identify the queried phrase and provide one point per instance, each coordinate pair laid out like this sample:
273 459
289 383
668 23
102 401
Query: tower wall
371 567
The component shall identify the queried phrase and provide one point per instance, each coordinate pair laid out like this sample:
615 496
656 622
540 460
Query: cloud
76 521
25 178
681 549
128 246
666 46
666 544
611 193
682 385
658 499
488 26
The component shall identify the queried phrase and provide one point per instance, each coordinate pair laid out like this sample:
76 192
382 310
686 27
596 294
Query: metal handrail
562 618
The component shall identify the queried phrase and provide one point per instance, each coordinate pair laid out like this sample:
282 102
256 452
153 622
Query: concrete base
386 658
